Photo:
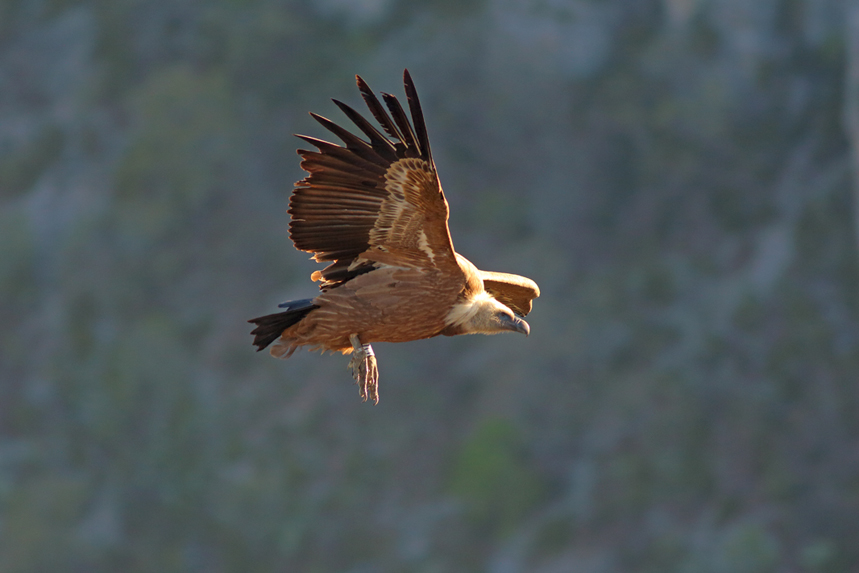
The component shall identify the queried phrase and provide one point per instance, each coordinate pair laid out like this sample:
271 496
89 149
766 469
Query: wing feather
417 116
371 163
378 111
379 142
515 291
375 199
402 122
353 143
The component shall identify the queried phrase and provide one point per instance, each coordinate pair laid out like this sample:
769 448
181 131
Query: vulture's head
484 315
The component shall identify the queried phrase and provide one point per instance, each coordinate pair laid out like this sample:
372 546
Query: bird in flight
374 209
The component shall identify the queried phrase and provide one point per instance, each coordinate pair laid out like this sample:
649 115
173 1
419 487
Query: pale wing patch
403 213
423 244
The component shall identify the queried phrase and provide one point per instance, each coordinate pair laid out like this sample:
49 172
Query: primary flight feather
374 208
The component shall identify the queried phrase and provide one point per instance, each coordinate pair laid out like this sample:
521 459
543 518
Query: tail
271 326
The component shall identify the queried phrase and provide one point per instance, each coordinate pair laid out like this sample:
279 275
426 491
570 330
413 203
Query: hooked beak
516 324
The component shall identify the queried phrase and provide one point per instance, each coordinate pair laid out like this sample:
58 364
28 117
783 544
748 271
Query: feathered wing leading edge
373 209
515 291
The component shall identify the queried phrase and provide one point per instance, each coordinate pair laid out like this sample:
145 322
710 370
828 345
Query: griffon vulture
375 209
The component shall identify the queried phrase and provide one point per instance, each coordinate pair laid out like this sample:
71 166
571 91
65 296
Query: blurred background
679 176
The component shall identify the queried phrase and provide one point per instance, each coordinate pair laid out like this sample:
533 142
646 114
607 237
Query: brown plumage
375 209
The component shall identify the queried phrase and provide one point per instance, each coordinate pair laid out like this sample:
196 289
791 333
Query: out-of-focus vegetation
675 174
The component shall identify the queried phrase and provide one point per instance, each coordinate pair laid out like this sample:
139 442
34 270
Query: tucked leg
364 369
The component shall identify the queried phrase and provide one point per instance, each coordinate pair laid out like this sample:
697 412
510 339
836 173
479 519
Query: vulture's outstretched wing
512 290
373 201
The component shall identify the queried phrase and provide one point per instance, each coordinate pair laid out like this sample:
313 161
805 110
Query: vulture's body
375 209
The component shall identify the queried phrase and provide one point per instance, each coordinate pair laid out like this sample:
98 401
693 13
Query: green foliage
748 548
20 169
16 254
41 512
820 555
180 154
493 477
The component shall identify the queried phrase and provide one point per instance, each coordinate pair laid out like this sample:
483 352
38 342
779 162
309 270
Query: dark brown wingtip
399 117
377 109
379 142
417 116
364 88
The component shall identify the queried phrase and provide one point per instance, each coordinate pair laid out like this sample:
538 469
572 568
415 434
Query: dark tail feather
271 326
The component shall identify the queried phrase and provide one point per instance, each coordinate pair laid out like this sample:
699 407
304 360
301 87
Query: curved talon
365 370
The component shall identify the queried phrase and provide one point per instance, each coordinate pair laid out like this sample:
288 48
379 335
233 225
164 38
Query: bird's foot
365 371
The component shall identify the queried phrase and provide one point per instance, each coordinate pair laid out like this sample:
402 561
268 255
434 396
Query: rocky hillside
679 176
